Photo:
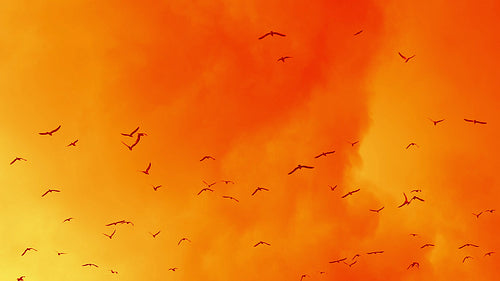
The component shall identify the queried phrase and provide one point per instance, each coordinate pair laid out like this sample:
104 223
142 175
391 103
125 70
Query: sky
197 80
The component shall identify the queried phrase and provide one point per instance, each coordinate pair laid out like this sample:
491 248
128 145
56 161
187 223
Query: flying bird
351 264
68 219
303 276
284 58
477 215
17 159
209 185
466 257
375 252
173 268
406 202
61 253
205 189
259 189
427 245
413 234
28 249
21 278
474 121
355 256
325 153
131 134
130 147
300 167
377 210
114 272
156 187
353 143
357 33
227 181
183 239
110 235
416 190
350 193
262 243
339 260
73 143
405 58
413 264
435 122
411 144
49 191
207 157
467 245
147 169
156 234
489 254
332 188
490 210
50 132
230 197
90 265
272 33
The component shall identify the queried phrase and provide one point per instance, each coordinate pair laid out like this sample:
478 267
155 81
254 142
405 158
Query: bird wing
46 192
358 32
318 155
401 55
468 120
264 36
44 133
55 130
480 122
13 161
408 146
347 194
149 167
255 191
133 132
356 190
295 169
308 167
280 34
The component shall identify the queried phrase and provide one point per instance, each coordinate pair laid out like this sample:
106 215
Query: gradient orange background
195 78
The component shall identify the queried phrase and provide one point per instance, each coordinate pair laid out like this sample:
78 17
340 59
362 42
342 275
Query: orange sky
196 79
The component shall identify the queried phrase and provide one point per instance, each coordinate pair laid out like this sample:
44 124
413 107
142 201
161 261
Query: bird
156 187
339 260
50 132
377 210
261 243
207 157
467 245
303 276
357 33
227 181
413 234
416 190
147 169
489 254
68 219
427 245
173 269
28 249
284 58
230 197
325 153
156 234
466 257
259 189
322 272
300 167
474 121
355 256
21 278
353 143
435 122
411 144
332 188
209 185
272 33
61 253
205 189
110 235
477 215
114 272
73 143
17 159
413 264
490 210
351 264
49 191
350 193
130 147
90 264
406 58
183 239
406 202
417 198
131 134
375 252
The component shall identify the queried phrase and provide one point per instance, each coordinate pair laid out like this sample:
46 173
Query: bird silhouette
490 210
28 249
357 33
466 257
209 185
21 278
156 234
332 188
435 122
375 252
49 133
147 169
489 254
411 144
416 190
50 191
68 219
110 235
355 256
205 189
183 239
427 245
17 159
413 234
272 33
351 264
259 189
261 243
227 181
230 197
406 59
474 121
130 147
131 134
338 261
73 143
413 264
325 153
156 187
284 58
173 269
377 210
406 202
90 265
477 215
300 167
303 276
353 143
61 253
468 245
350 193
207 157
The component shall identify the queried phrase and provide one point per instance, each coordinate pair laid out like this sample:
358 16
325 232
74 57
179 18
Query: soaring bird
489 254
332 188
17 159
50 132
477 215
435 122
351 193
490 210
205 189
474 121
173 268
183 239
130 147
303 276
156 234
357 33
413 264
300 167
261 243
21 278
284 58
325 153
155 187
375 252
413 234
468 245
207 157
353 143
466 257
406 202
90 265
405 58
427 245
147 169
73 143
209 185
411 144
110 235
351 264
28 249
416 190
227 181
272 33
68 219
339 260
230 197
259 189
49 191
377 210
131 134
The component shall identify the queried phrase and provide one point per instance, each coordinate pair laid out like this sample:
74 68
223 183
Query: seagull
131 134
405 58
377 210
183 239
375 252
337 261
416 190
467 257
489 254
17 159
284 58
207 157
350 193
300 167
411 144
226 181
90 264
435 122
351 264
68 219
73 143
49 191
477 215
230 197
427 245
110 235
50 132
173 269
262 243
332 188
259 189
490 210
413 234
205 189
303 276
413 264
474 121
406 202
353 143
156 187
357 33
209 185
156 234
325 153
147 169
272 33
129 146
28 249
466 245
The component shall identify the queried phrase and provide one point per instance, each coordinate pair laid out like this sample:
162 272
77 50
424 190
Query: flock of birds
209 188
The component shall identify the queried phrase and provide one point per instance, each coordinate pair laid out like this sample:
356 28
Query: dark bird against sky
272 33
300 167
49 133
